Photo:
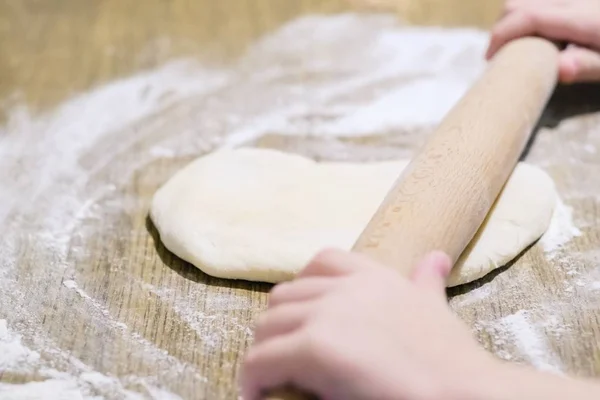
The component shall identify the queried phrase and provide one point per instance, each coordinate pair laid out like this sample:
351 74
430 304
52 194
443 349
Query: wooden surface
83 277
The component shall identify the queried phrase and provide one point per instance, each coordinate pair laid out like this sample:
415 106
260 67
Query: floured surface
261 215
86 285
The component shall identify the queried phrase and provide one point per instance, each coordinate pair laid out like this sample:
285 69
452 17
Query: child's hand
576 22
349 328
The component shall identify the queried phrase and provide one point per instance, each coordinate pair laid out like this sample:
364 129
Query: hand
349 328
576 22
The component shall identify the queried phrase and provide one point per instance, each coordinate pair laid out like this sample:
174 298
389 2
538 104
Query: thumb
578 64
431 272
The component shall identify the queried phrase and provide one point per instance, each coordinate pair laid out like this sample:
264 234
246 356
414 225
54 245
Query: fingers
512 26
432 271
548 22
554 21
281 320
300 290
577 64
270 365
291 302
289 348
289 305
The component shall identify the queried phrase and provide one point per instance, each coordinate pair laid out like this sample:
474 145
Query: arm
349 328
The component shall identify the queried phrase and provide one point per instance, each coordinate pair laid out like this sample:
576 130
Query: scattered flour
51 389
51 181
517 336
13 355
391 79
390 76
529 341
473 296
561 230
54 385
211 324
71 284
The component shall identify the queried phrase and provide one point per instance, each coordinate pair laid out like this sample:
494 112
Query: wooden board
84 279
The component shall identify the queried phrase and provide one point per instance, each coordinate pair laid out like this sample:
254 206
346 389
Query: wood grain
150 317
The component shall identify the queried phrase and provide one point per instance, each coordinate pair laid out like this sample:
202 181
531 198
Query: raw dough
260 215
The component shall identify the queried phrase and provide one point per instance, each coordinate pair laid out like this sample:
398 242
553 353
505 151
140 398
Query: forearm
511 382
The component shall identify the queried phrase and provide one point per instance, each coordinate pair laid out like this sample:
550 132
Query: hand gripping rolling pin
445 193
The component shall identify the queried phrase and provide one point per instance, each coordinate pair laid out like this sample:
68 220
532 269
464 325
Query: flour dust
64 171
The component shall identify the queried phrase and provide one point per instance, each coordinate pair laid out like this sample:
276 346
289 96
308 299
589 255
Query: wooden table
84 279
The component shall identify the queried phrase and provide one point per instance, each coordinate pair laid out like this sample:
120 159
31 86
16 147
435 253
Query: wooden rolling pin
443 196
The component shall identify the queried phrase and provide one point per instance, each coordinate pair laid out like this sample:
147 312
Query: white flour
529 341
390 80
55 385
212 325
14 354
523 336
561 229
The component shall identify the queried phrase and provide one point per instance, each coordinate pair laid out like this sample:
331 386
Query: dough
261 215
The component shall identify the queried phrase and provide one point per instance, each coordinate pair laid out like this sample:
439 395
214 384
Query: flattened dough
261 215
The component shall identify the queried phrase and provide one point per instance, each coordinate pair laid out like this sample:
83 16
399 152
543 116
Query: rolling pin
443 196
